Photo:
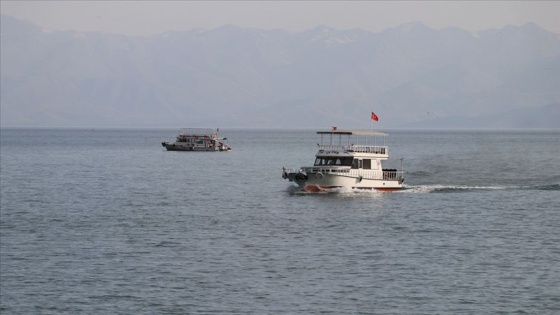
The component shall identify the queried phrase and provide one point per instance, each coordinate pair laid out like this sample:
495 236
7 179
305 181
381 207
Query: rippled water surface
107 222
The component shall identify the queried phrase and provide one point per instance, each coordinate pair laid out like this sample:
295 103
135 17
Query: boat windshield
333 160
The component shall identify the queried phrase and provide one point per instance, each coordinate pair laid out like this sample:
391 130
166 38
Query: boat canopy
200 132
351 137
357 132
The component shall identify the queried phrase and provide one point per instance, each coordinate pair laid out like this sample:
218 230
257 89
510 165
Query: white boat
197 139
352 159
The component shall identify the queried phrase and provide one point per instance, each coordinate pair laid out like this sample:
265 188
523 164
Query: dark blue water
107 222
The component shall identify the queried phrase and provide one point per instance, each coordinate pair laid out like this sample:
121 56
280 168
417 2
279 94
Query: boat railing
386 174
326 169
375 149
393 174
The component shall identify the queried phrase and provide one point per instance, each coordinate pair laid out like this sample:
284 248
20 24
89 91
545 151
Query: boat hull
316 182
170 146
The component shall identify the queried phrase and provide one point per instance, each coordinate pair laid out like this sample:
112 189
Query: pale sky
144 18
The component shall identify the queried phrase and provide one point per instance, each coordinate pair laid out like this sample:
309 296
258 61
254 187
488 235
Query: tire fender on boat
301 177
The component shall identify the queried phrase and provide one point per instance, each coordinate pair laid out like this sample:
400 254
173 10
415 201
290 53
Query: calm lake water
106 222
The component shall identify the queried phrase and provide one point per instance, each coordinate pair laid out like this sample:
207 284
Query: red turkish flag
374 117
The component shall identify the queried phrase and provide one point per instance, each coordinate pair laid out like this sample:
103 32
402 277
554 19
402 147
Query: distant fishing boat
197 139
349 158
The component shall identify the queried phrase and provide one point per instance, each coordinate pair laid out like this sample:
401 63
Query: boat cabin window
363 164
333 160
358 163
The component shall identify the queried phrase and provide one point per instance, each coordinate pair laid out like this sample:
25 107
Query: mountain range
411 76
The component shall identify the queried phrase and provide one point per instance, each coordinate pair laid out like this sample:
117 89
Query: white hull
323 181
178 146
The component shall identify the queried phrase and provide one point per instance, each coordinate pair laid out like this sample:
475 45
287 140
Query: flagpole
371 129
372 118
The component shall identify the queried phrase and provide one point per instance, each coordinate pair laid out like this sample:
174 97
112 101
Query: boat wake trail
422 189
467 188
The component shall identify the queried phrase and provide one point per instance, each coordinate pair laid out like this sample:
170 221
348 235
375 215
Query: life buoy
319 175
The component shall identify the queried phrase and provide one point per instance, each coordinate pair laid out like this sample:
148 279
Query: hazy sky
156 17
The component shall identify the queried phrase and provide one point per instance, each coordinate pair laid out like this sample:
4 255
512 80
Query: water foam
449 188
436 188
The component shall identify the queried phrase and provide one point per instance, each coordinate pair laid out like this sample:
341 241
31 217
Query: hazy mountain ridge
411 76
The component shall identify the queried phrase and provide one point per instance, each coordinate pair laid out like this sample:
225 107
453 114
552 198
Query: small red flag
374 117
